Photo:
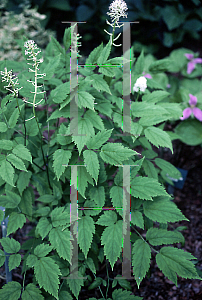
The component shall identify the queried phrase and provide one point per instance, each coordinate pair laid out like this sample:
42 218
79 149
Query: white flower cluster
141 84
117 10
12 80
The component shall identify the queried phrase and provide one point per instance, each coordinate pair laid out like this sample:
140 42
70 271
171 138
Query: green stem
108 278
99 288
144 240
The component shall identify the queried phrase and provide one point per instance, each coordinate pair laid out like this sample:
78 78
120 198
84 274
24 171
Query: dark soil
158 287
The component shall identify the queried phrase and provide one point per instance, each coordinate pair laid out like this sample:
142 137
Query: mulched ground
157 287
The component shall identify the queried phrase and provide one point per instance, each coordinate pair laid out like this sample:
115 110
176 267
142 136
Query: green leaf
171 260
47 272
155 96
10 245
116 193
158 137
94 55
64 295
157 236
104 54
168 168
108 218
161 65
6 145
14 118
172 17
26 203
3 127
46 198
85 128
146 188
16 162
190 132
22 152
115 153
75 284
86 229
99 83
149 169
137 219
60 92
42 250
15 222
2 258
14 261
92 163
51 66
11 200
7 172
57 47
140 260
85 99
112 240
60 217
98 195
62 138
60 240
163 210
60 161
31 260
31 292
43 227
122 295
11 290
99 139
95 119
23 181
144 109
139 65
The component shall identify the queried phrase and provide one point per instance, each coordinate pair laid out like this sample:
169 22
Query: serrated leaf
137 219
60 92
112 240
10 245
23 181
98 195
158 137
15 221
31 292
163 210
42 250
2 258
14 261
43 227
116 193
95 119
47 272
75 284
11 200
22 152
60 217
99 83
60 240
86 229
139 65
11 290
122 295
140 260
7 172
92 163
31 260
64 295
157 236
115 153
172 260
16 162
104 54
108 218
145 188
49 69
6 145
57 47
94 55
85 99
26 203
99 139
14 118
149 169
155 96
168 168
61 158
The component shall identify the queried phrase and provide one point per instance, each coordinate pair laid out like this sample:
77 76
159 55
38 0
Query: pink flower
147 75
193 61
189 110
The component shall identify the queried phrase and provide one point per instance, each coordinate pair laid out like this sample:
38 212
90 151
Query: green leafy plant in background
14 26
37 149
